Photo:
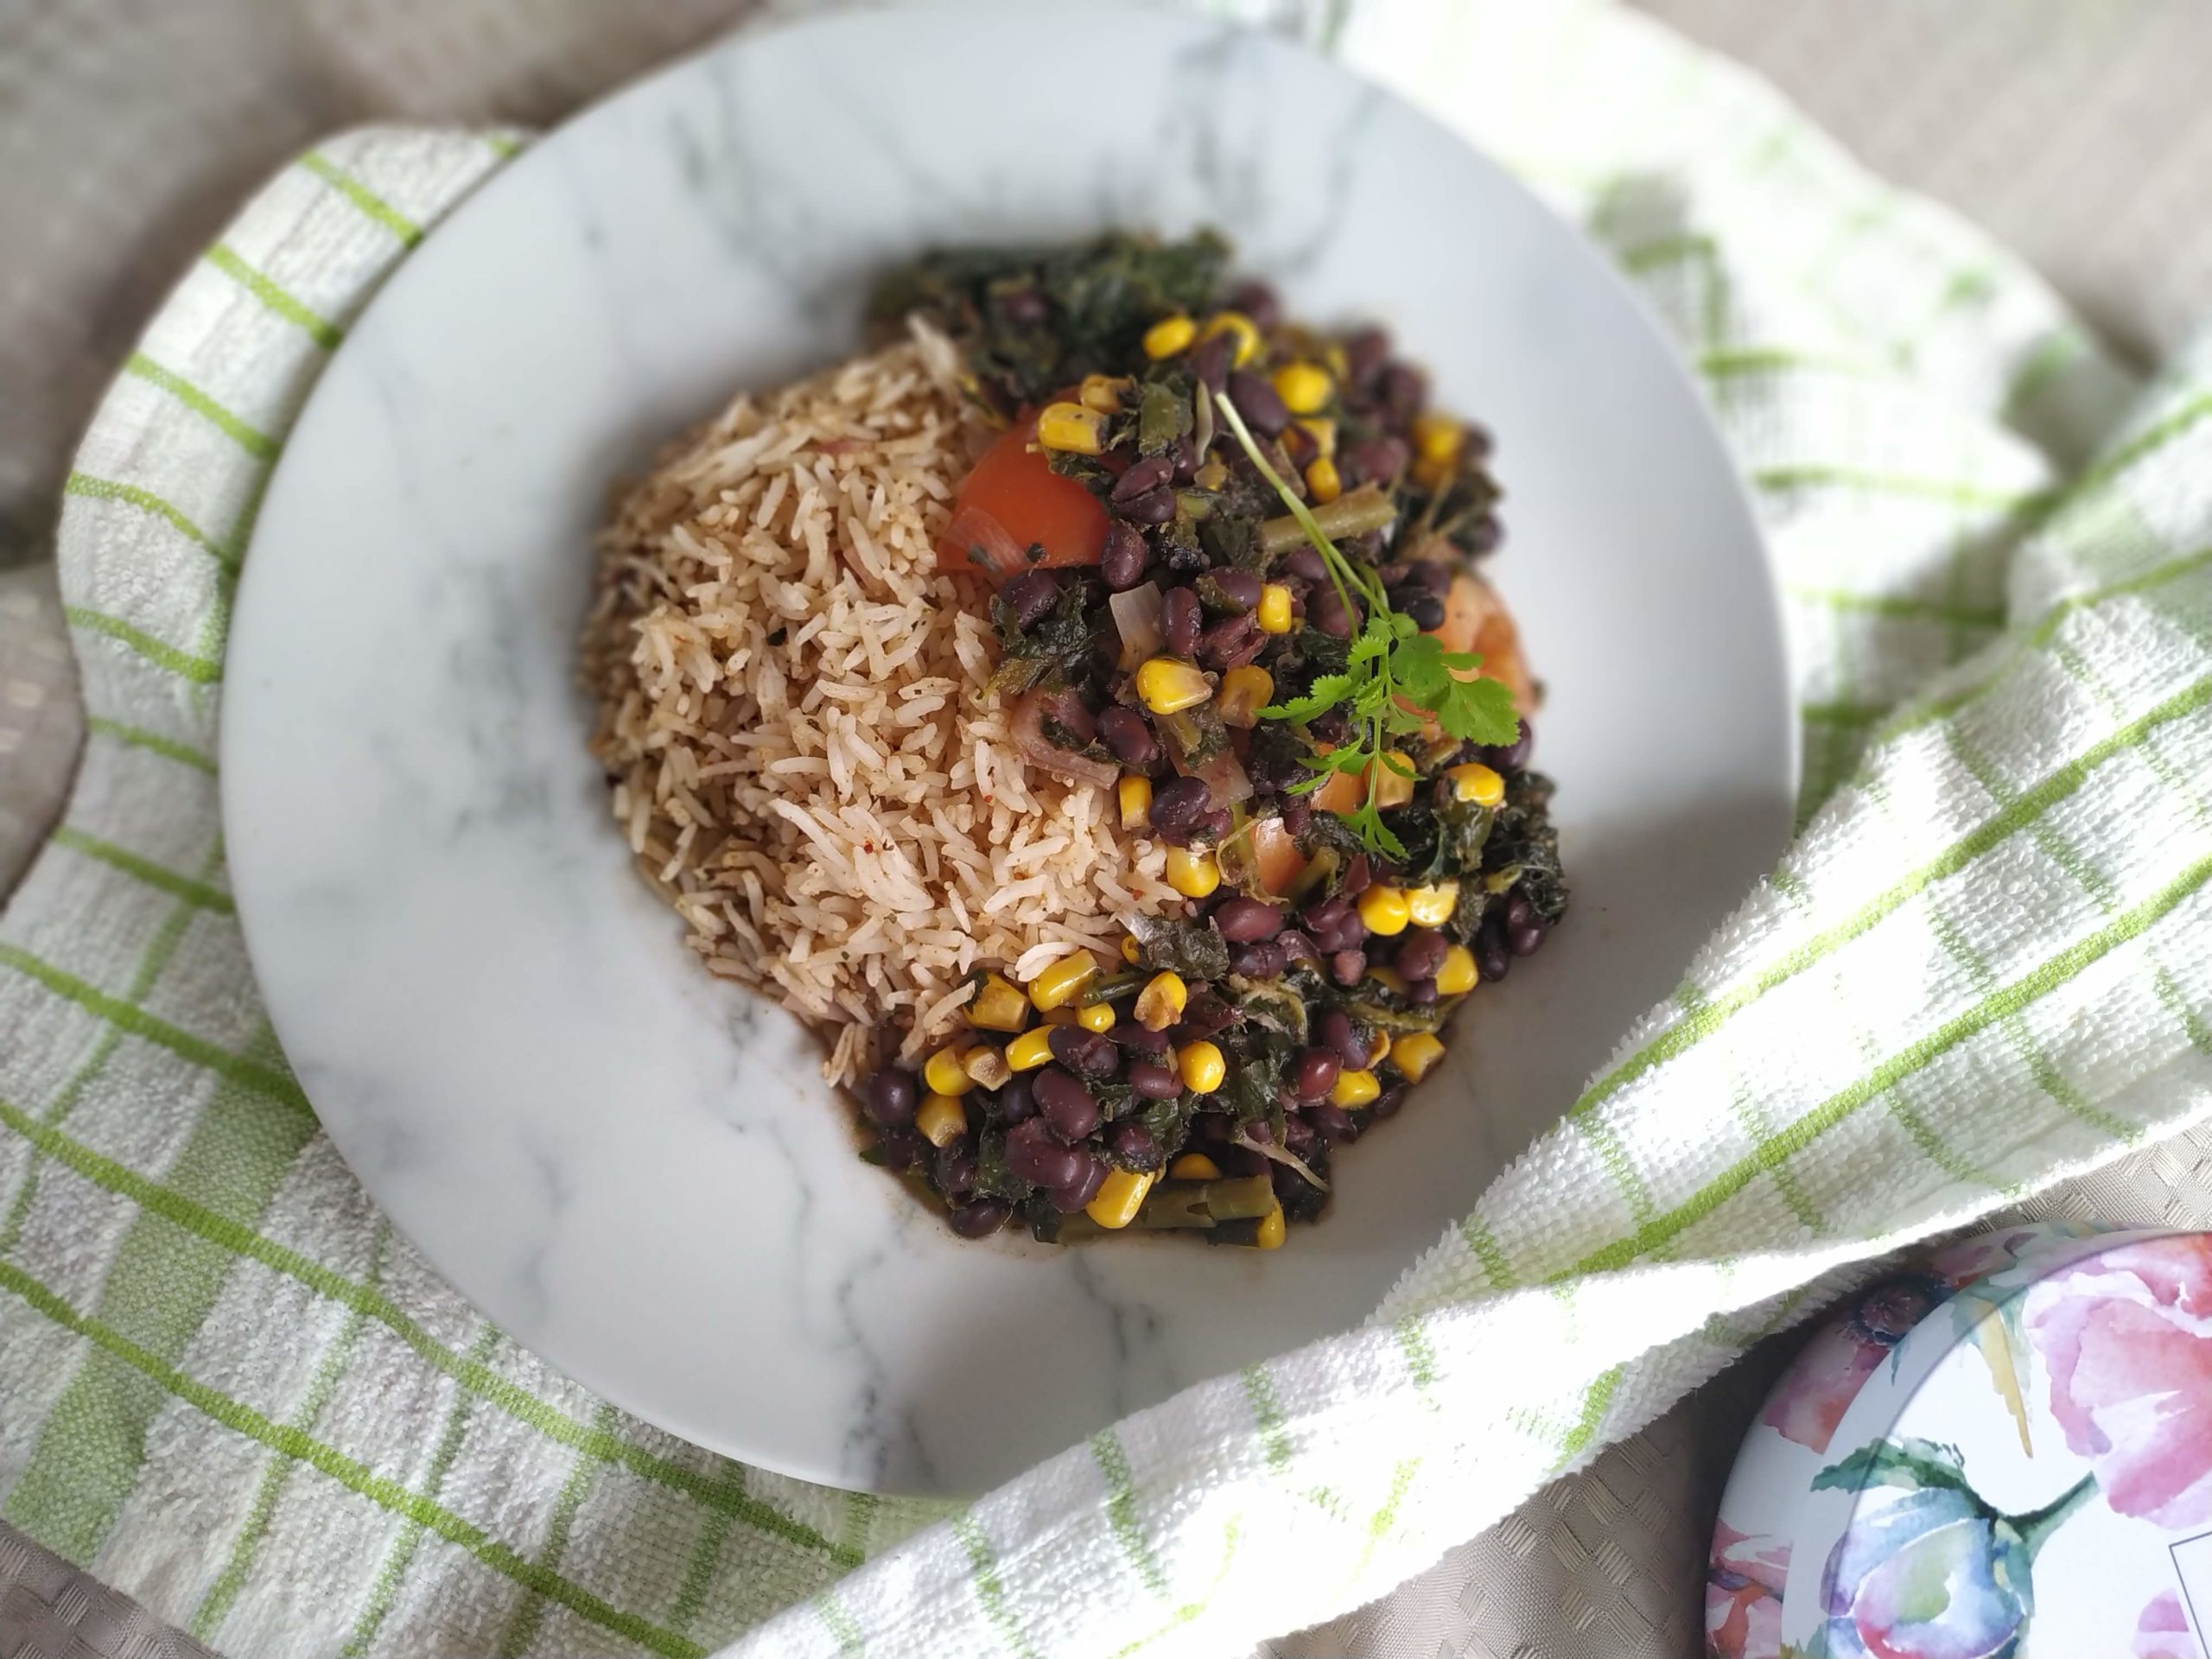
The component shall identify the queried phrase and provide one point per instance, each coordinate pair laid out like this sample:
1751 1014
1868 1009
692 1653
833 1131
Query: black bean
1017 1103
1420 952
1068 708
1316 1073
1034 1156
1066 1103
1380 458
1203 1015
1337 1036
1128 733
904 1148
1296 815
1153 507
1132 1146
1240 588
1240 1161
1181 619
1230 643
1358 875
1492 960
1183 452
1306 564
1143 476
981 1218
1349 934
1326 612
1025 306
1434 574
1420 992
1218 822
1403 388
1155 1081
1509 757
1525 941
1297 1138
1255 400
1477 442
891 1096
956 1169
1346 966
1081 1190
1257 301
1179 805
1295 946
1087 1053
1030 596
1519 913
1212 1128
1260 961
1209 361
1121 564
1428 613
1365 353
1261 1130
1145 1044
1385 1104
1322 914
1241 919
1332 1123
1484 535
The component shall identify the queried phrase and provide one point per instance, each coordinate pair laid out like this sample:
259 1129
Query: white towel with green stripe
1985 965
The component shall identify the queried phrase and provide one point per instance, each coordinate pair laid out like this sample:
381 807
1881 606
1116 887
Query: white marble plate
638 1172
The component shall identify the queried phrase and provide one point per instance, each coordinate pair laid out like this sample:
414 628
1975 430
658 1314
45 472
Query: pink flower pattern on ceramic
2163 1631
1810 1399
1742 1595
2126 1340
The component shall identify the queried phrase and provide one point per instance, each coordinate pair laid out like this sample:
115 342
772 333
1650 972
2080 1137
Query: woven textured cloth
228 1389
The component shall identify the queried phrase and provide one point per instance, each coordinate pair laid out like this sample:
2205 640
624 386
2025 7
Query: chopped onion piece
1141 617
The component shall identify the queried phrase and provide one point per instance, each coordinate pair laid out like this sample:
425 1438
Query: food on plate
1086 712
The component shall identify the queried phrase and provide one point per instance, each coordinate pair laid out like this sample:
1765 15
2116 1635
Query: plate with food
915 750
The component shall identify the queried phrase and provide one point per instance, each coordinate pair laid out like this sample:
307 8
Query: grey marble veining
638 1170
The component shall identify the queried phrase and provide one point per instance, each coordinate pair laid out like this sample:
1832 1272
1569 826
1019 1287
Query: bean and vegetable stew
1232 561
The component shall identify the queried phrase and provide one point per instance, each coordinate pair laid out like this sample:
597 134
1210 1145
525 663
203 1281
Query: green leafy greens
1395 680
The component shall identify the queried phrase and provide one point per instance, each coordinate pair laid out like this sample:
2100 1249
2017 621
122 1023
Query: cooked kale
1194 949
1061 643
1525 840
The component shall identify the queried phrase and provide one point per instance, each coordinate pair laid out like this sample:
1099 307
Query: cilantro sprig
1396 679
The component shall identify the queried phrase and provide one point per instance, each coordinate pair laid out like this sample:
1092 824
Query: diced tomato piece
1013 501
1275 858
1476 619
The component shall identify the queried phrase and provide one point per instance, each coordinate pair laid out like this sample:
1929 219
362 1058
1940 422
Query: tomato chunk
1013 501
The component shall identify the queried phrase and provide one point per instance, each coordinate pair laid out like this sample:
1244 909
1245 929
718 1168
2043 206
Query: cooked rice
840 818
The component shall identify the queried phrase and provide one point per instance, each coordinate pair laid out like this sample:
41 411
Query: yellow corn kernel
1321 480
1160 1004
1354 1090
1244 692
1060 1016
942 1119
1273 610
1379 1050
1389 978
1192 875
1102 393
1030 1050
1237 323
1457 974
1270 1234
1323 431
1121 1195
999 1006
1063 981
1431 475
1392 787
1213 476
1095 1016
945 1073
1135 794
1132 952
1202 1067
1477 783
1195 1166
1432 906
1383 909
1071 426
986 1065
1437 437
1333 359
1168 686
1304 388
1416 1055
1169 335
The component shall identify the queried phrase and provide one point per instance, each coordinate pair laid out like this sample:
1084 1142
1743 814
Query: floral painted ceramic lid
2003 1452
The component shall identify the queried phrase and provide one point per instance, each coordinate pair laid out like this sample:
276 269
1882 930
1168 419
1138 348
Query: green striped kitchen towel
1986 965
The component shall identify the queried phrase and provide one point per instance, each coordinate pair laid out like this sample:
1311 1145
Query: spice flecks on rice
806 759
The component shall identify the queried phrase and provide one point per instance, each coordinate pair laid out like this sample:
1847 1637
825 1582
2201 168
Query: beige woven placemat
2074 129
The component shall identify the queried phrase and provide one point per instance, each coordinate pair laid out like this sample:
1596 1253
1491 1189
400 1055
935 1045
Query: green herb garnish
1393 676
